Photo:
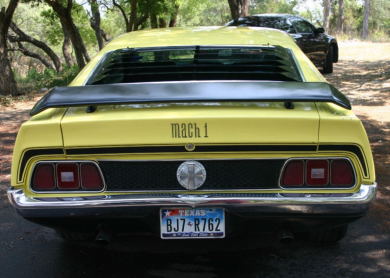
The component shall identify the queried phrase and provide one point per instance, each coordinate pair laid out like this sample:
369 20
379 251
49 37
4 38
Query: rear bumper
128 206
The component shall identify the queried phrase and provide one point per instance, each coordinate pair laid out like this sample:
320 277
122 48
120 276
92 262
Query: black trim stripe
348 148
204 148
200 148
36 152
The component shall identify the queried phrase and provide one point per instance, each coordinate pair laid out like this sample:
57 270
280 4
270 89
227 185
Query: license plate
181 223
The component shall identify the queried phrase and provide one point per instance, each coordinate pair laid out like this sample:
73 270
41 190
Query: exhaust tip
286 237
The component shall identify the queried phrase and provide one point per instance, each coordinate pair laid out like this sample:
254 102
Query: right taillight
318 173
342 173
67 176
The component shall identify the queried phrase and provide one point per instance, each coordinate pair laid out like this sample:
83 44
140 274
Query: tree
238 8
326 14
7 80
340 18
95 22
64 13
365 19
23 37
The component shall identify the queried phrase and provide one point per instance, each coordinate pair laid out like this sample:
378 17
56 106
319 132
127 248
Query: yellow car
183 133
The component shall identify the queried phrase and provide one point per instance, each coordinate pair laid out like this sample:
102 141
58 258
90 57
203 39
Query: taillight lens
321 173
317 172
90 177
293 174
68 176
342 173
43 178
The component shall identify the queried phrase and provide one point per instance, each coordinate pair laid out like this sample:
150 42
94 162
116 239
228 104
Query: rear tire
329 236
328 62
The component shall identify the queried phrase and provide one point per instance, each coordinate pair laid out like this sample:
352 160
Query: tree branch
23 37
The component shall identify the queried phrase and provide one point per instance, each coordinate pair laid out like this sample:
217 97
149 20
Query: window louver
196 63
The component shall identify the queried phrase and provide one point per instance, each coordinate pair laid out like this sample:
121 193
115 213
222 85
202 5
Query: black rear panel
221 174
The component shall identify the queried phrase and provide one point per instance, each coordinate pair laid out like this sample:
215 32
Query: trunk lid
199 123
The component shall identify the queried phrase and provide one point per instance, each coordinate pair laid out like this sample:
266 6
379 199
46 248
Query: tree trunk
366 19
127 23
95 22
133 15
340 19
153 21
7 80
173 20
162 23
65 16
238 8
23 37
326 14
67 50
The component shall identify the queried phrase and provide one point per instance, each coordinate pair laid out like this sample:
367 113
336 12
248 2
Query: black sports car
321 48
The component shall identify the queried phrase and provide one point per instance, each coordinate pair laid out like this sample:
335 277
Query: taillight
318 173
68 176
342 173
293 174
43 178
90 177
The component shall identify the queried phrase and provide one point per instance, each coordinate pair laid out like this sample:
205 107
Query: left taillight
43 178
67 176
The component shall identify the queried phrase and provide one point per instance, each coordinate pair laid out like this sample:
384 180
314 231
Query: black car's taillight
318 173
67 176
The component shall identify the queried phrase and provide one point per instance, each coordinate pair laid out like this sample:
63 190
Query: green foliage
203 13
49 78
271 6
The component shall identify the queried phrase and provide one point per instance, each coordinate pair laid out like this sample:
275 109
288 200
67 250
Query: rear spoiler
191 91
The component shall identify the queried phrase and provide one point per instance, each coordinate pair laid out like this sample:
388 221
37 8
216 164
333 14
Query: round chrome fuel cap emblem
191 175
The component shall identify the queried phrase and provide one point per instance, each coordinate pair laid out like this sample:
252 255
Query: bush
49 78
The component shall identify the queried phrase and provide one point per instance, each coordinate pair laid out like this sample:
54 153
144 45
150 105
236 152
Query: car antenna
91 108
288 105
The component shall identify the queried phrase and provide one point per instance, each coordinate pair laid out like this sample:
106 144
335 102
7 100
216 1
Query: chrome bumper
353 203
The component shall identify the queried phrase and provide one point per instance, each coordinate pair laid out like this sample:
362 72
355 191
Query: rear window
196 63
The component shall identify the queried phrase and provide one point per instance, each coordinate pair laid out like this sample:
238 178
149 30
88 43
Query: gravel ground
29 250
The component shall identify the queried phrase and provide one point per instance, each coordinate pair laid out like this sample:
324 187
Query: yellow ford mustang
212 132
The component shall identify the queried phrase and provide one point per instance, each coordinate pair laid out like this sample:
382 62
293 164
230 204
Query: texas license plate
181 223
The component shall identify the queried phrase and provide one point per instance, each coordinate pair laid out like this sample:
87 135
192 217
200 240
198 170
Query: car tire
329 236
72 236
328 62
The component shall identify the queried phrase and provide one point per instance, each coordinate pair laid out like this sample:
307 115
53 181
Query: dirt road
29 250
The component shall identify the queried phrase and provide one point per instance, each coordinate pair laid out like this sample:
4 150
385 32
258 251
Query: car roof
215 35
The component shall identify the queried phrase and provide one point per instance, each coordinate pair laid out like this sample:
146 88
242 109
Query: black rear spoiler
191 91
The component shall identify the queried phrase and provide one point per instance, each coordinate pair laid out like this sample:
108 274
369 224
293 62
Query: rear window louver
196 63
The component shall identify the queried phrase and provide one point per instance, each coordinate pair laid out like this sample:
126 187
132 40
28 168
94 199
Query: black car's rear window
196 63
262 21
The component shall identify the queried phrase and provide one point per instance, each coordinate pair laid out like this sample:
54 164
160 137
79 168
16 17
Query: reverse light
68 176
317 172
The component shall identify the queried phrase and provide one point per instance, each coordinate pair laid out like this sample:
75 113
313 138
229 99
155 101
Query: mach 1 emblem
189 130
